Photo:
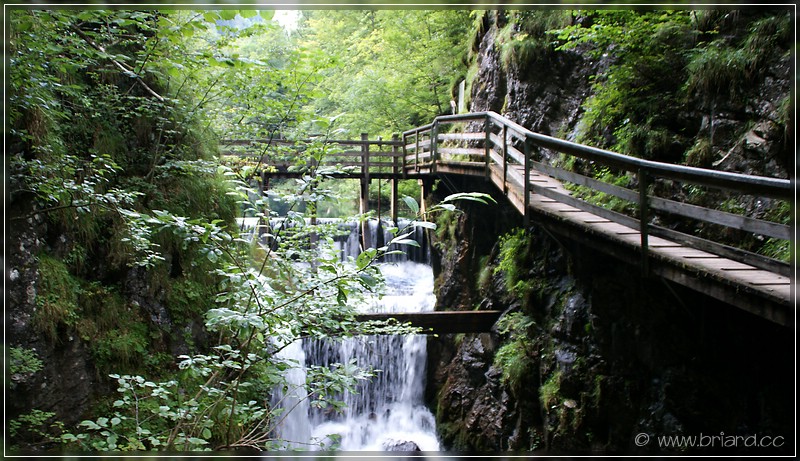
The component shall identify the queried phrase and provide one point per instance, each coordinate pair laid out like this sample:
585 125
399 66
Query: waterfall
386 413
294 425
348 240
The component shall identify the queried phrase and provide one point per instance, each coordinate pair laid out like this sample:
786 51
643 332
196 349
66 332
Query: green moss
123 348
515 362
603 199
524 40
118 336
446 224
189 298
513 249
472 74
701 154
477 31
717 68
596 395
115 331
550 392
56 299
485 272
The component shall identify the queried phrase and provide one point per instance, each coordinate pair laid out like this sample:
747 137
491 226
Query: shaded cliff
589 354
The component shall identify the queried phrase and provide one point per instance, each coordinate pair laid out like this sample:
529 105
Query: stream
387 412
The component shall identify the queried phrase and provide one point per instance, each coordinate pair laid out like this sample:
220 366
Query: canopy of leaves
390 69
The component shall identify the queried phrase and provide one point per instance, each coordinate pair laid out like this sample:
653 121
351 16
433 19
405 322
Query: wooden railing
357 158
486 144
487 141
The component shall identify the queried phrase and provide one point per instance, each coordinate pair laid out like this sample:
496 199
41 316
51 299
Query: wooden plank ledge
441 322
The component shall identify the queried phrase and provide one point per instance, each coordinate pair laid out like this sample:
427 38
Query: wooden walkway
487 145
442 322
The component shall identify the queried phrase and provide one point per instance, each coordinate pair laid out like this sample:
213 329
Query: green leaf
425 224
341 296
89 425
412 204
368 280
228 14
474 196
446 206
365 258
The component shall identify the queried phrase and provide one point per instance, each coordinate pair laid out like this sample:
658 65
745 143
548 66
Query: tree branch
122 66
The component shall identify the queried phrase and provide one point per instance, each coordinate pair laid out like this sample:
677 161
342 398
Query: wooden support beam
445 322
395 171
364 201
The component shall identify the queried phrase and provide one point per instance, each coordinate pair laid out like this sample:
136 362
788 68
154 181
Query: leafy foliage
515 356
524 40
628 110
115 117
378 55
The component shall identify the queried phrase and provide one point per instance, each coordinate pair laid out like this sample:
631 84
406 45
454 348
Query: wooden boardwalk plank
441 322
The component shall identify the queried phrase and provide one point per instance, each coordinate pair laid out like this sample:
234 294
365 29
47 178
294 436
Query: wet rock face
69 381
545 97
749 135
472 408
611 355
489 89
65 383
400 445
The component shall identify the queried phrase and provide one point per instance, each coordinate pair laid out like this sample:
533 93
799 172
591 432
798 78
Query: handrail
514 144
765 186
499 151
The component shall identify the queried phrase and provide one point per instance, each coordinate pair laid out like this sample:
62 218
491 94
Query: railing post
488 146
643 219
505 159
416 152
365 155
434 145
395 150
405 152
527 187
364 202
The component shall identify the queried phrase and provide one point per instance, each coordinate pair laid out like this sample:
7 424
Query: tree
392 69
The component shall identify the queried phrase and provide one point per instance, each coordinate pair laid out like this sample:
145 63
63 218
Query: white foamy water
387 411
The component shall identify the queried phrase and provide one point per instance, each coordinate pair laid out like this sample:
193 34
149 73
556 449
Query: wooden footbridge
515 160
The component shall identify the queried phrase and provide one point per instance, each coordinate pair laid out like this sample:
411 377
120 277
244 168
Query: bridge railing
486 143
359 158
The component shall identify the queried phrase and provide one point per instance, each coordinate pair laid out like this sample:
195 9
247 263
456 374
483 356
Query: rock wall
608 354
603 354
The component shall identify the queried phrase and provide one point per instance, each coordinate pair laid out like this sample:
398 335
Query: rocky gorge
590 356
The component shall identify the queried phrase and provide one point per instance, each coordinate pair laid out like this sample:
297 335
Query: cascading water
348 240
386 413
